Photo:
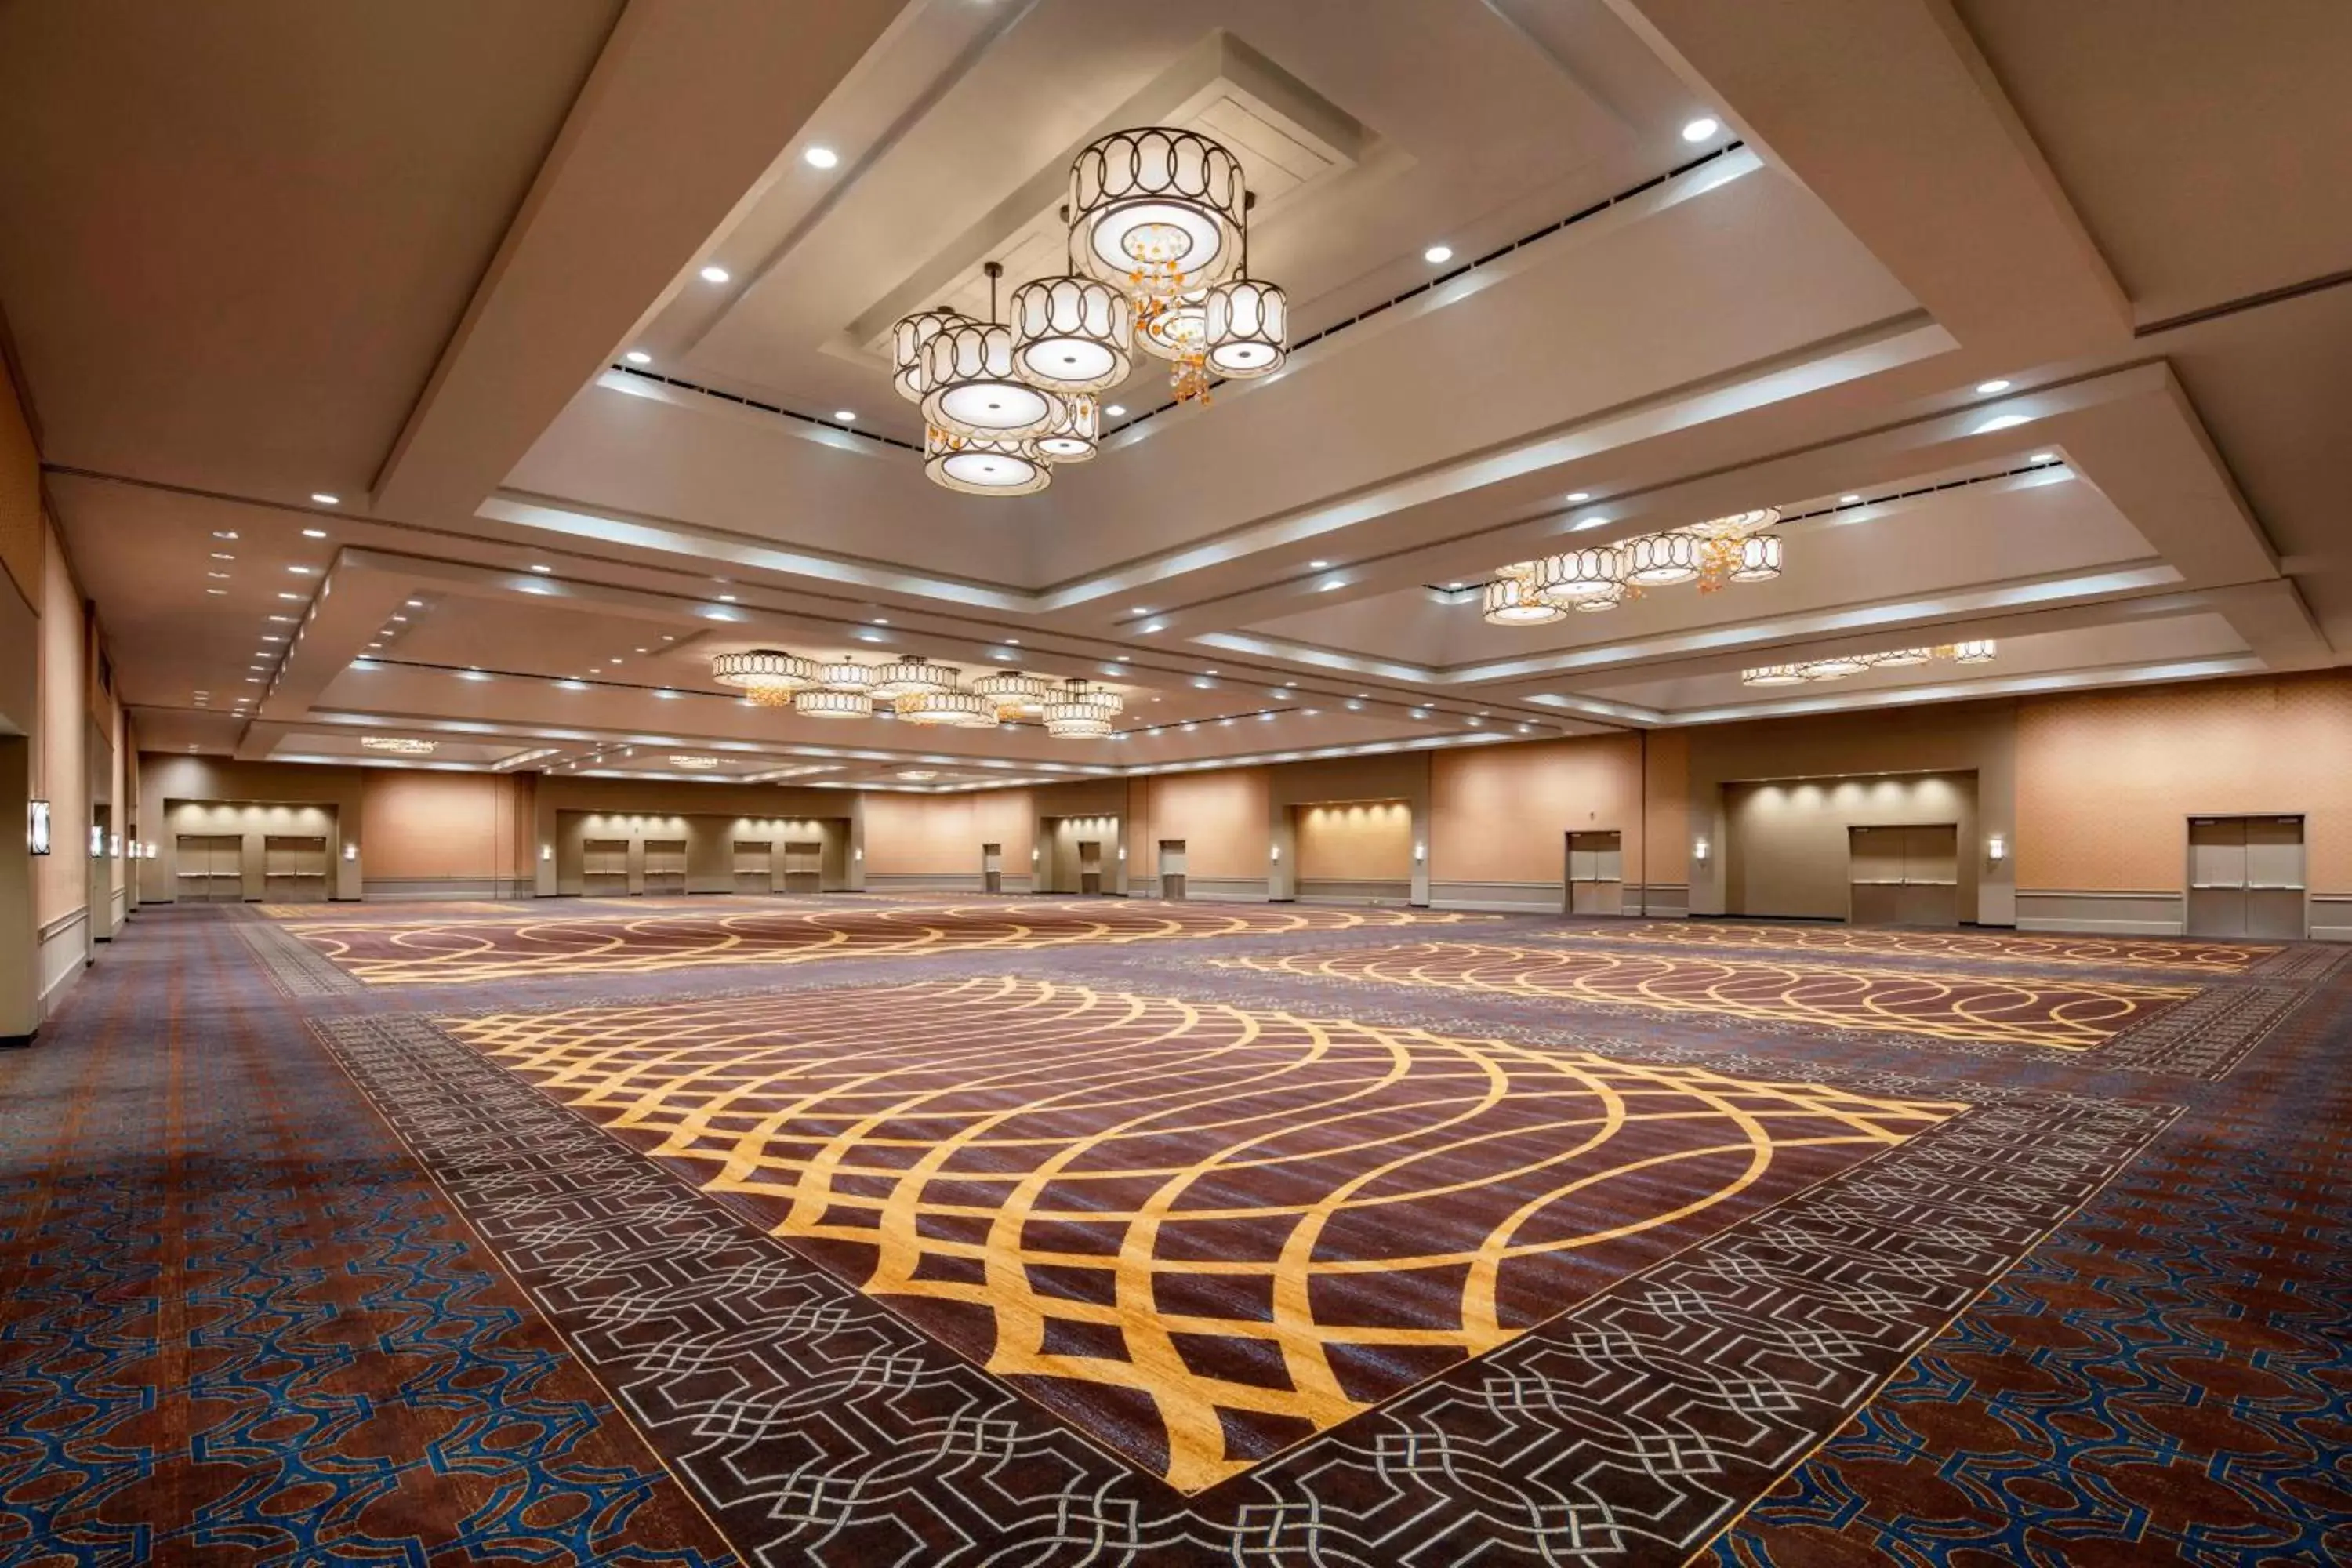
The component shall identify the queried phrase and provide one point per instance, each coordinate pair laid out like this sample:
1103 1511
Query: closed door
665 864
211 868
604 867
1596 873
805 866
1090 878
1905 876
991 867
755 866
1172 869
2246 877
294 870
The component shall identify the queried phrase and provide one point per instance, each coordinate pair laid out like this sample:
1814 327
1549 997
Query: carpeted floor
1150 1235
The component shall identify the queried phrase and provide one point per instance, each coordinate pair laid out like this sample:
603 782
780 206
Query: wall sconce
1420 853
97 842
1278 851
547 852
37 827
1699 851
1122 851
351 851
114 844
1996 848
858 853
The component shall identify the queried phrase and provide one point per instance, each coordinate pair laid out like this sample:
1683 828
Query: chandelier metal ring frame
1737 548
1157 252
917 690
1842 667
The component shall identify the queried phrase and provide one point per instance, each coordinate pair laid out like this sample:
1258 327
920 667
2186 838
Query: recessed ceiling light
1326 588
1114 410
638 356
223 555
222 574
1848 499
217 590
1996 384
296 597
1580 495
1699 129
1317 566
820 157
403 619
539 569
726 598
282 618
1436 255
271 636
2042 458
302 570
716 275
323 499
471 675
223 533
845 415
314 533
2000 422
1014 641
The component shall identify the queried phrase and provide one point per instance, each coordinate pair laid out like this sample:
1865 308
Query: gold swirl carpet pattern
2101 951
518 945
2030 1010
1200 1233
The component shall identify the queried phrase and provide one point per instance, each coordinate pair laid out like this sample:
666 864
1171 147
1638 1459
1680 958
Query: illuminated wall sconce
1122 851
547 852
37 827
1699 851
97 842
114 845
351 851
1996 848
1420 853
858 853
1278 851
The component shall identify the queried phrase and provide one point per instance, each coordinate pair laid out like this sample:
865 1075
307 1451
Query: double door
665 866
211 868
755 866
1172 869
1090 866
805 866
1596 874
2245 877
294 869
1905 876
991 867
604 867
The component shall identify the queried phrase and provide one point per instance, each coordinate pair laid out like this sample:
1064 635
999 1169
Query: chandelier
916 691
399 745
694 762
1722 550
1838 666
1157 259
766 676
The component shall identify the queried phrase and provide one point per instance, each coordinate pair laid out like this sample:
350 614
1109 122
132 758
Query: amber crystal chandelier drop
1157 231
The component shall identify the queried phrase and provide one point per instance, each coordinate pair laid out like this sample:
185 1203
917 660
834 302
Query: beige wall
707 816
1785 848
1342 846
430 830
1221 818
167 782
709 842
2108 779
60 767
23 525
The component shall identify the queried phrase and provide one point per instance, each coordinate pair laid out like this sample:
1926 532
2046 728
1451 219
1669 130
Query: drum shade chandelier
1157 259
916 692
399 745
1719 551
1840 666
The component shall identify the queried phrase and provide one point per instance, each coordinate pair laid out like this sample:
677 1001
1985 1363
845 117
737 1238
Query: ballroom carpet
848 1232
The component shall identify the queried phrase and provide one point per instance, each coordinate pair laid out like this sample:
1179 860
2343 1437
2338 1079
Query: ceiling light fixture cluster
918 691
400 745
1157 259
1842 666
1734 548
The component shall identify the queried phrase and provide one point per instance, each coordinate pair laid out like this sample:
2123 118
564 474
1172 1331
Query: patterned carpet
1093 1247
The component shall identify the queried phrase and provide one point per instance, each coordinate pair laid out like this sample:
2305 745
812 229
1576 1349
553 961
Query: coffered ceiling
2030 330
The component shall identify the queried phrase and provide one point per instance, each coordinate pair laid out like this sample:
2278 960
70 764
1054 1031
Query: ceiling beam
690 106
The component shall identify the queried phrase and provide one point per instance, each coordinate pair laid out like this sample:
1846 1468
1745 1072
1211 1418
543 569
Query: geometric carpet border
819 1428
295 968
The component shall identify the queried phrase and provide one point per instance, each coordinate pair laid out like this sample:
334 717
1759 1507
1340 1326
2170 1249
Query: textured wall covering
1497 812
1220 817
2106 781
21 527
1362 840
